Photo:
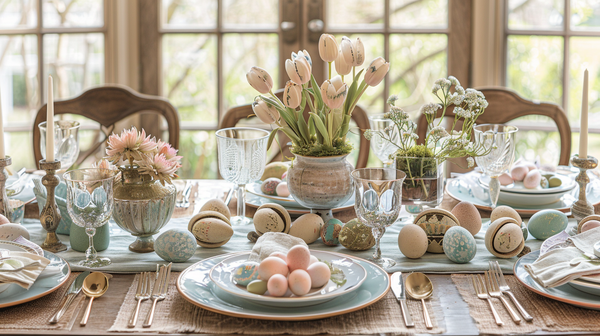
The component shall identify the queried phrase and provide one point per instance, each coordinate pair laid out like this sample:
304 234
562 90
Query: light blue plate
194 285
564 293
15 295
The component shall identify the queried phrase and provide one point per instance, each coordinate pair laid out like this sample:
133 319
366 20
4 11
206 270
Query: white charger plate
256 201
517 187
195 285
516 199
354 273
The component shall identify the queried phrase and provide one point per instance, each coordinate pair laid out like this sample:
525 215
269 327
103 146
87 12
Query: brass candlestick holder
5 208
50 215
583 208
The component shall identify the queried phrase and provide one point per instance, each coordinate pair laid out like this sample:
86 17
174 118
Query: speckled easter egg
246 273
217 205
331 231
590 225
412 241
459 245
508 238
546 223
269 186
505 211
307 227
211 229
12 231
468 216
356 236
175 245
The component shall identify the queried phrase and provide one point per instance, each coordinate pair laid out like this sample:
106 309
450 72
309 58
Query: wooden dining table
454 310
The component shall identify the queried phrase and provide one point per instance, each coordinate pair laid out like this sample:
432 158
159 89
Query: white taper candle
583 133
50 123
2 153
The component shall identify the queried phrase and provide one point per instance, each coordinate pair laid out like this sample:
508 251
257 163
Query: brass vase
142 206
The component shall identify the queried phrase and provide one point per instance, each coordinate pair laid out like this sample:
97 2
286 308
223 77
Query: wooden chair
237 113
108 105
506 105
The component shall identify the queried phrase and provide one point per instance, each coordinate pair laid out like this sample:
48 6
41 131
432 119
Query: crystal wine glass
90 205
499 144
382 147
378 200
242 158
66 139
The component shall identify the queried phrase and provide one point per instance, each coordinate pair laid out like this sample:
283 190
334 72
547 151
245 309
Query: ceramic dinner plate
585 286
565 293
256 201
15 294
194 285
254 188
517 187
353 275
516 199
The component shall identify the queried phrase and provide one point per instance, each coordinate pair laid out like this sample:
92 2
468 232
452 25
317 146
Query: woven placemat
548 315
176 315
34 315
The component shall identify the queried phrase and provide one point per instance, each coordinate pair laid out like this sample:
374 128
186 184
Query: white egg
319 274
279 255
505 179
3 220
12 231
299 282
313 259
271 266
532 179
282 190
277 285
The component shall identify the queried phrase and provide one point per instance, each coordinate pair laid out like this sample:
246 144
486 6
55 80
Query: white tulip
298 68
354 52
292 95
334 92
328 48
375 72
259 79
341 67
265 112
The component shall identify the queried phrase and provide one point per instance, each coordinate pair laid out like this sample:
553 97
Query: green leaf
272 137
322 129
316 92
304 129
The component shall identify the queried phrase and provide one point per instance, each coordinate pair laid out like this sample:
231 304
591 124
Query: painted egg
459 245
356 236
12 231
468 216
319 274
284 176
217 205
525 231
246 273
257 287
269 186
277 285
331 231
175 245
554 182
508 238
518 173
590 225
532 179
272 217
211 229
505 179
3 220
436 222
546 223
544 183
282 189
412 241
299 282
307 227
505 211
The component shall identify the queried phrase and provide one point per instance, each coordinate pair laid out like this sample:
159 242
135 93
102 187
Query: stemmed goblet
242 158
383 148
498 141
90 205
377 202
66 138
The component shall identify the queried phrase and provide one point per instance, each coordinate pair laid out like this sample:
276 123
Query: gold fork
481 293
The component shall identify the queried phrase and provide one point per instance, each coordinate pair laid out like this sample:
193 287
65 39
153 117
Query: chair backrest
506 105
108 105
359 115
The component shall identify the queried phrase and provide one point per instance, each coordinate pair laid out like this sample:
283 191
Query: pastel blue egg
246 273
546 223
331 231
459 245
175 245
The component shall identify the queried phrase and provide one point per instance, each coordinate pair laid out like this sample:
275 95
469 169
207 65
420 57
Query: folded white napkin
273 242
22 268
559 266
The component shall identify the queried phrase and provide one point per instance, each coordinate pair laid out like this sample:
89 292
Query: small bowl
18 210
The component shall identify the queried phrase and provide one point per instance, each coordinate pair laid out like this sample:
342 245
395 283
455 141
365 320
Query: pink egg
284 176
532 179
530 166
282 189
277 285
4 220
590 225
518 173
319 274
298 257
299 282
505 179
271 266
313 259
279 255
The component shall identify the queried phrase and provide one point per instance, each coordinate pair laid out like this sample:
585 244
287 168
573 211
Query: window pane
585 15
540 146
419 14
18 14
584 55
536 14
73 13
535 65
199 150
18 147
240 53
417 61
18 78
75 61
190 76
355 13
253 13
178 13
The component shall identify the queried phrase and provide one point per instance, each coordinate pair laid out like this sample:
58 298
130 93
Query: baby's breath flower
392 99
457 99
430 108
470 162
410 135
462 113
460 90
436 88
453 80
439 132
369 134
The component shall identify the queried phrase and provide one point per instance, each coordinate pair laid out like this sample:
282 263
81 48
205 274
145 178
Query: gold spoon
419 287
94 286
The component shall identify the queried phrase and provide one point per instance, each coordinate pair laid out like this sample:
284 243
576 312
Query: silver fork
506 289
494 291
159 292
481 292
142 294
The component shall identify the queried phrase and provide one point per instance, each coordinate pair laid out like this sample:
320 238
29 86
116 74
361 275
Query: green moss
416 151
320 150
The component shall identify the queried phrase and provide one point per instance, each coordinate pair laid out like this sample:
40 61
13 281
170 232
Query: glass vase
423 187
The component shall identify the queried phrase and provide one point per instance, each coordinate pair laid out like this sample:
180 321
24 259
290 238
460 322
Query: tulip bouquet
330 105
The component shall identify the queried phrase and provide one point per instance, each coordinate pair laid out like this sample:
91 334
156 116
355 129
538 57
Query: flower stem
329 70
